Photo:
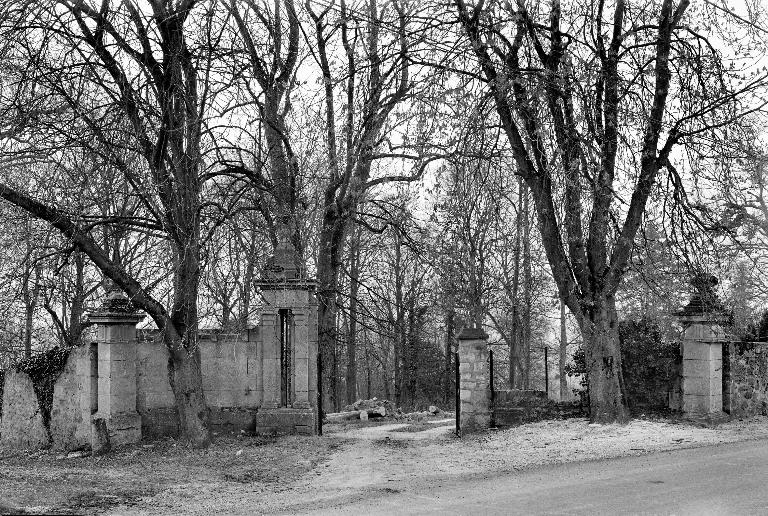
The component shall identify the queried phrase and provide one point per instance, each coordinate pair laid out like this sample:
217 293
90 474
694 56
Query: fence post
319 393
458 394
546 370
493 390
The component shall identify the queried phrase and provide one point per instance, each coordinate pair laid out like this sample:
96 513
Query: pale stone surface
697 350
71 408
22 424
702 350
100 443
474 387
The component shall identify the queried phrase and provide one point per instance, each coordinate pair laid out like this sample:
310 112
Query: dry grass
46 483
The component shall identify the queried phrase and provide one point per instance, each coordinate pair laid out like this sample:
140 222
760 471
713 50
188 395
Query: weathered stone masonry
745 379
474 387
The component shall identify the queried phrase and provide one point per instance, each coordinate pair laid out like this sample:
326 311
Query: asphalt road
725 479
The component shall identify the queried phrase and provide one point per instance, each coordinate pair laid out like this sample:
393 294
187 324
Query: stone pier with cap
474 388
288 329
117 343
702 350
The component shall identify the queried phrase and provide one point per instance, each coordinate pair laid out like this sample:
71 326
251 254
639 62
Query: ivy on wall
44 369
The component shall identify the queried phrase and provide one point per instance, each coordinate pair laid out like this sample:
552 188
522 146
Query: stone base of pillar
123 427
709 420
286 421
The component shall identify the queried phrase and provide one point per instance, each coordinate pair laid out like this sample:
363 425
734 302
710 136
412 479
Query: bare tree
582 107
124 82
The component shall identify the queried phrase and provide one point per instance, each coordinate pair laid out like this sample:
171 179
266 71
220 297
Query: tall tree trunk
30 294
76 326
186 382
528 286
367 365
385 369
328 264
514 345
450 328
354 272
250 273
563 353
399 327
600 329
181 332
412 352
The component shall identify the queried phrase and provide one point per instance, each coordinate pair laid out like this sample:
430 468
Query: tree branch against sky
593 99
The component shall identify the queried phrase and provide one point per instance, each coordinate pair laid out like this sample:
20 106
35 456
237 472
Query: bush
579 368
650 365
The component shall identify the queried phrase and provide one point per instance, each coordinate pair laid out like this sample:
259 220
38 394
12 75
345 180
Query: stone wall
231 381
73 403
22 423
517 406
745 384
94 382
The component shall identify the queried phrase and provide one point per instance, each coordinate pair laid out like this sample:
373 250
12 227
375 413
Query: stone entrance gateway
288 328
702 351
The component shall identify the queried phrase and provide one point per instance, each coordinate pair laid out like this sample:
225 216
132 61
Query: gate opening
286 354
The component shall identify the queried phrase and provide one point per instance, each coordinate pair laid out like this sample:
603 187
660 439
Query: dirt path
382 461
727 479
349 464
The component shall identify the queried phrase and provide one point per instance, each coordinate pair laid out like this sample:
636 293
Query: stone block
220 398
700 368
124 428
301 374
284 420
695 350
100 442
702 386
233 419
116 332
160 422
700 404
710 332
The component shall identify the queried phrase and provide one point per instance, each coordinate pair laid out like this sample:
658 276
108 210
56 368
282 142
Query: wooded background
536 168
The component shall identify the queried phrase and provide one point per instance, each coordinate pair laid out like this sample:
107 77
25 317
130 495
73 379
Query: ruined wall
22 424
746 379
230 368
73 402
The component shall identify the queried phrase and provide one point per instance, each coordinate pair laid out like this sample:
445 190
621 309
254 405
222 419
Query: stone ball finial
704 282
704 299
284 262
112 290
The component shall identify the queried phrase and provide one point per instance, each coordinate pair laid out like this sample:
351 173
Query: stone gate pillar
702 351
116 342
475 392
288 337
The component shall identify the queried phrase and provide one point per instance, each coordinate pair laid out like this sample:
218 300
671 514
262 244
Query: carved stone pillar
702 351
289 345
116 353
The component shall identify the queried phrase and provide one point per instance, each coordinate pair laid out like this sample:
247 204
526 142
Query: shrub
649 366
